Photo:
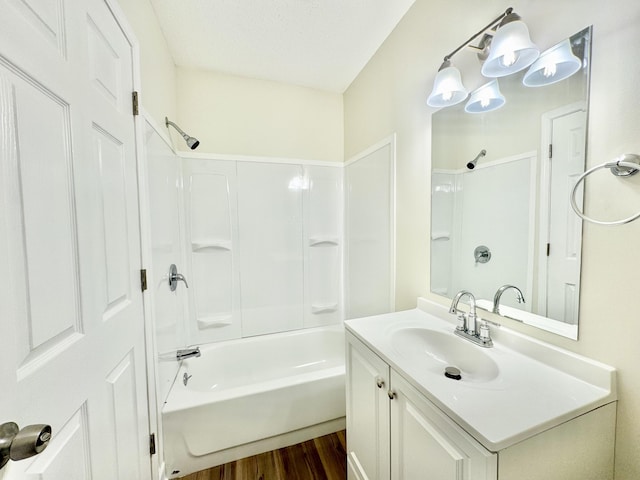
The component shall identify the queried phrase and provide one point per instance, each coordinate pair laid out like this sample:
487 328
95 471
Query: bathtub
253 395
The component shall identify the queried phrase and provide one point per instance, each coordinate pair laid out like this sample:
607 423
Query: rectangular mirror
500 185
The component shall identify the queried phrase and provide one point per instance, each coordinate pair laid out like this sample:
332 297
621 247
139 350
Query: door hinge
548 249
550 150
143 279
134 101
152 444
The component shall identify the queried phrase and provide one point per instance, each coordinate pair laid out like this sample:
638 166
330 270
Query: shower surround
263 247
260 244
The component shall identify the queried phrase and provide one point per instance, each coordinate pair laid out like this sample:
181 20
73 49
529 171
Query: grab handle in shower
175 277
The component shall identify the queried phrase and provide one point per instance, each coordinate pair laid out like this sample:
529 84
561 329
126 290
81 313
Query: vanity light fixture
511 48
485 99
510 51
448 89
554 65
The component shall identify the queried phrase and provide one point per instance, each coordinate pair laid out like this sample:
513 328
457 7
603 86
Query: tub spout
187 353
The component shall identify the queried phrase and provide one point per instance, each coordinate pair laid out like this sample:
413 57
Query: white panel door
71 308
565 228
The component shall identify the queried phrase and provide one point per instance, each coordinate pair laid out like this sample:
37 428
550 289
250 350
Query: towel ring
624 166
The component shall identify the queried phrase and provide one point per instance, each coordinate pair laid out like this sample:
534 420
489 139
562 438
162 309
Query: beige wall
230 114
245 116
389 96
157 69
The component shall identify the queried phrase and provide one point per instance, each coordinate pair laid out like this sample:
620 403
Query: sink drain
453 373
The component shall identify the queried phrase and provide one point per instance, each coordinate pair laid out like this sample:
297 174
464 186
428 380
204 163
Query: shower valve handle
175 277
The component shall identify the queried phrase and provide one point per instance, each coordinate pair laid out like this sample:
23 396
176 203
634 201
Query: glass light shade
554 65
511 50
447 88
486 98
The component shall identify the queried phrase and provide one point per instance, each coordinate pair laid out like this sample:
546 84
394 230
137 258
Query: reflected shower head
192 142
472 164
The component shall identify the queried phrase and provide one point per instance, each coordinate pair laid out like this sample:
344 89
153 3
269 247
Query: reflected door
565 228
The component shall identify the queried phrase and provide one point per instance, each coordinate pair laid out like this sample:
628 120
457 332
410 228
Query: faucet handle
472 327
484 332
462 322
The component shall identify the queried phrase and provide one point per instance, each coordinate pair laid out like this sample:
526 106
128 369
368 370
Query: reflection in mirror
500 189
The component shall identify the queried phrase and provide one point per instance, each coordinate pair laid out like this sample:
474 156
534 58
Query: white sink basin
437 350
507 393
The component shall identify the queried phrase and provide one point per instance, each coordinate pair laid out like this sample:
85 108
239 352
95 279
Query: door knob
18 444
175 277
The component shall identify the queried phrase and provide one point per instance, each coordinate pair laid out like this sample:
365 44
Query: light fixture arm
489 26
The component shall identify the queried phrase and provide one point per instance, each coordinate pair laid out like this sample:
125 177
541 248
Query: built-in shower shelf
323 241
215 321
317 309
212 245
440 236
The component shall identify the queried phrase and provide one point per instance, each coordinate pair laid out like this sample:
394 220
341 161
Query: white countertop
538 385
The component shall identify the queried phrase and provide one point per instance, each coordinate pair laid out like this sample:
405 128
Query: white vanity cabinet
368 419
394 432
425 443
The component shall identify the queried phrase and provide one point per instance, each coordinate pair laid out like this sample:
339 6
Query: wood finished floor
322 458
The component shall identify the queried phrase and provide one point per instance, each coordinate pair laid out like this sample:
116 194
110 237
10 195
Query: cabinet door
426 444
367 413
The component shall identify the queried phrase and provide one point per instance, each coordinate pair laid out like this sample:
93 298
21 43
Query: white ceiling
314 43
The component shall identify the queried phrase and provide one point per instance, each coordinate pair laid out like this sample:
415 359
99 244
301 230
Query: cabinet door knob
379 382
392 394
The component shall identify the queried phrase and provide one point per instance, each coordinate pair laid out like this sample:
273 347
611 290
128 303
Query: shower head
192 142
472 164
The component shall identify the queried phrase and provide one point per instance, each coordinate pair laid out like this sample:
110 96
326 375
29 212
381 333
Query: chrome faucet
501 290
467 323
187 353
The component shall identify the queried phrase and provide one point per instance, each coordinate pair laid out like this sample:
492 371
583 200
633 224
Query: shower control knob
482 254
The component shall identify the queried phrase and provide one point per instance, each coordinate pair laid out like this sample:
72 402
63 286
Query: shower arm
168 122
192 142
